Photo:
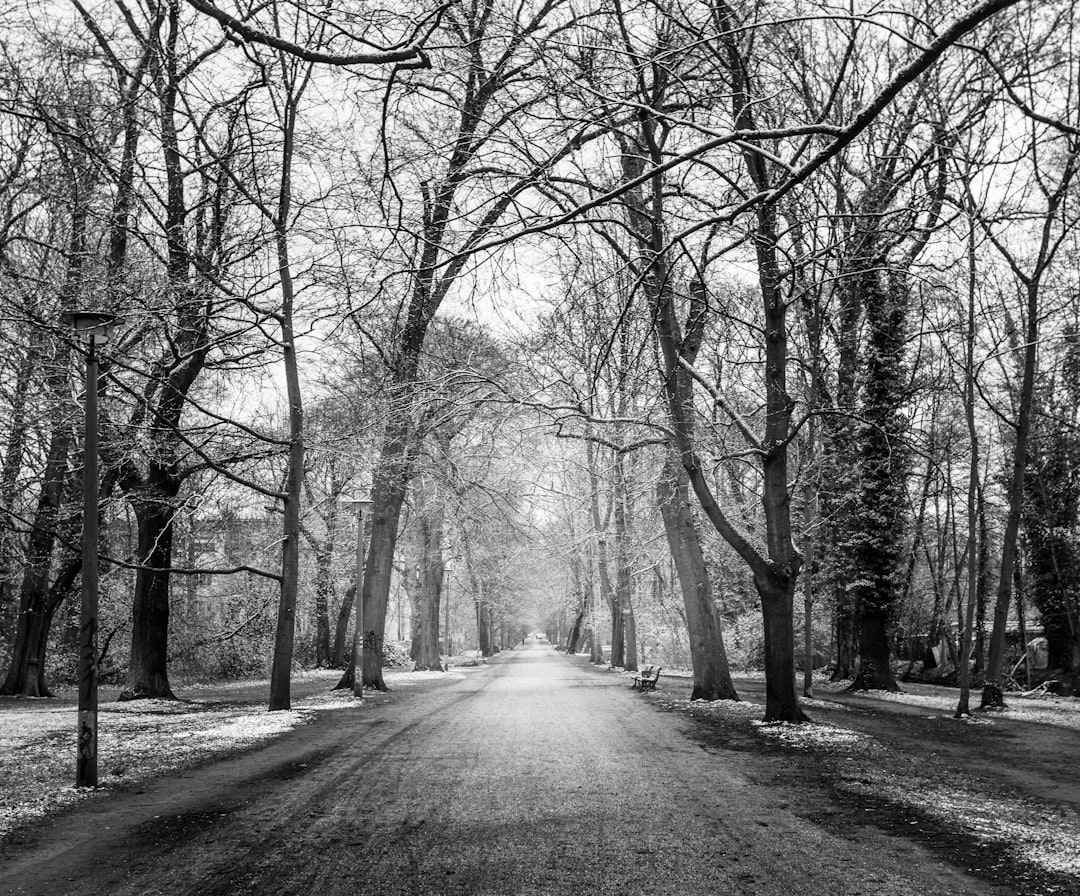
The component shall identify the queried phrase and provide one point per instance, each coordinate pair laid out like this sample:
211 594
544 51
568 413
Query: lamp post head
449 565
96 325
361 505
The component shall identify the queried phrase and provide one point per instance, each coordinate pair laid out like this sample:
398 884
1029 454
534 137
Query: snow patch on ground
715 708
260 683
1061 711
136 740
342 699
1039 833
814 703
809 734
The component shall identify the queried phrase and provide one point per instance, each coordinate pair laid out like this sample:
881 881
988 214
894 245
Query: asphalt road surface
537 774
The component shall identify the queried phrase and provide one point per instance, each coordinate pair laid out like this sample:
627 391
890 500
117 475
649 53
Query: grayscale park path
538 774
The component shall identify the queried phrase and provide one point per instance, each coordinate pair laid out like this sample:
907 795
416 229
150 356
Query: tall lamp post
448 568
95 328
361 505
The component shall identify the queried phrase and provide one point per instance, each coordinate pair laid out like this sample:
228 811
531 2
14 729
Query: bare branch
736 418
411 53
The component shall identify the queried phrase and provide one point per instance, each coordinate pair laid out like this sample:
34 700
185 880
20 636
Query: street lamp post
448 568
361 505
95 328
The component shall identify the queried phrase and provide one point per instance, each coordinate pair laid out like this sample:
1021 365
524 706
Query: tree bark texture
392 476
148 674
341 628
26 672
712 677
992 697
624 582
483 626
14 452
324 591
877 542
973 504
839 487
607 589
431 570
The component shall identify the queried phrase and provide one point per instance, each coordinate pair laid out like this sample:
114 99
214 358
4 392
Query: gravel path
535 775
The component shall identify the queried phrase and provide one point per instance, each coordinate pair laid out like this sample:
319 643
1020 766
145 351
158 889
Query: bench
646 679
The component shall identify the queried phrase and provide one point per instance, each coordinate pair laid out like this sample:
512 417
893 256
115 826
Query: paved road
536 775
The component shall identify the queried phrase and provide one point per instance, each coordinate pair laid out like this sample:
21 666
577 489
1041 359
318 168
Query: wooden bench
646 679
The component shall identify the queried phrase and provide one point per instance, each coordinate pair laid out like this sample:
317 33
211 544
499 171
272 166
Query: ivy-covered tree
878 541
1052 513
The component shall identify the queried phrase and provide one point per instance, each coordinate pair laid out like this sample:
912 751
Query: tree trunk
712 677
776 570
808 614
483 627
14 451
412 588
26 673
776 584
152 492
607 590
324 591
973 553
875 667
573 639
284 637
1050 242
281 672
341 629
992 695
624 581
777 609
428 659
596 645
844 625
1021 618
392 476
880 518
618 633
432 569
839 485
630 655
489 612
982 588
147 671
811 519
